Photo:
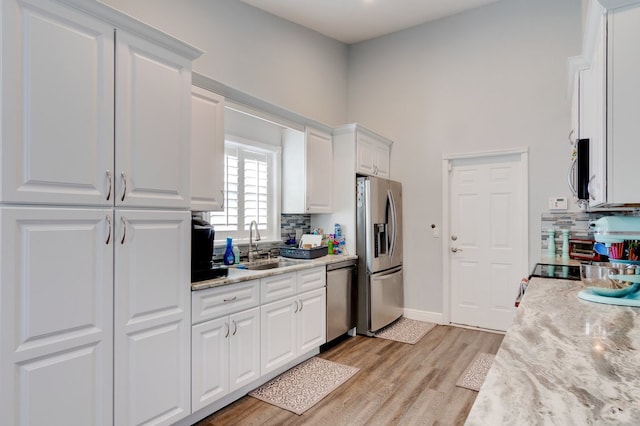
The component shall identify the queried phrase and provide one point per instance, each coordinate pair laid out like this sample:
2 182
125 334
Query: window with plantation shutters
249 191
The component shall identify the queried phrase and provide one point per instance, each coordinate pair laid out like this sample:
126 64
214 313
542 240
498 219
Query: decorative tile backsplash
289 223
576 222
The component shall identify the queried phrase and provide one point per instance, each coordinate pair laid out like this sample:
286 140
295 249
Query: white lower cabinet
225 340
56 316
295 325
152 317
225 356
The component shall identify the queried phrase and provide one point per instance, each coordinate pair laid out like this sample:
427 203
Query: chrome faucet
251 250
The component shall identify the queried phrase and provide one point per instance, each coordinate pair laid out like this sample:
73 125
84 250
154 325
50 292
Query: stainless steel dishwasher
341 298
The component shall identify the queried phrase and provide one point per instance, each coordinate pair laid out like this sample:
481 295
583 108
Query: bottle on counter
236 254
551 244
229 257
565 243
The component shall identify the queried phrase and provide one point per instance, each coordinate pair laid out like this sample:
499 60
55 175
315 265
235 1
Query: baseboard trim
414 314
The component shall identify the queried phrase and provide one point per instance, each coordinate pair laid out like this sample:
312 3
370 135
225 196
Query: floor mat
406 330
304 385
473 377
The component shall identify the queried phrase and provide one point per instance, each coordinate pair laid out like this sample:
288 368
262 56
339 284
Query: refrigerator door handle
393 235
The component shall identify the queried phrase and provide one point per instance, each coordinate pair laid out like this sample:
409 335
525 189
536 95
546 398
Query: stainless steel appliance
379 248
341 298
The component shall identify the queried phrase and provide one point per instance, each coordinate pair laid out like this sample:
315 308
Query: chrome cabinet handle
110 178
124 229
301 305
230 300
124 182
593 198
455 249
108 218
235 327
296 302
571 179
222 205
227 324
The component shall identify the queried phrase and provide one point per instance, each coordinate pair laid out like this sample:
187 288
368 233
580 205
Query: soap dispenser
229 257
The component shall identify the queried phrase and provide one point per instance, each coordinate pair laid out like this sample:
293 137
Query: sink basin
266 264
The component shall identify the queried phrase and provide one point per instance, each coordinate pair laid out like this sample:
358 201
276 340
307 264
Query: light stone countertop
239 275
564 361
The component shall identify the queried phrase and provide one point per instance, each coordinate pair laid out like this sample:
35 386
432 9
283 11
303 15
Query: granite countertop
559 260
240 275
564 361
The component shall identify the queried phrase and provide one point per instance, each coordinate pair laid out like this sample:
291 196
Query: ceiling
352 21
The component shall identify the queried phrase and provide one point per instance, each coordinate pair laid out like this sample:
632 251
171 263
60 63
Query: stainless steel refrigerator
379 249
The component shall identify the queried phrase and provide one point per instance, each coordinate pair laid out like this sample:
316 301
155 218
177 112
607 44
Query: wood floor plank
398 384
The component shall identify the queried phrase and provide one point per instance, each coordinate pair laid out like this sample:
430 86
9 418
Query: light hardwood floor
398 384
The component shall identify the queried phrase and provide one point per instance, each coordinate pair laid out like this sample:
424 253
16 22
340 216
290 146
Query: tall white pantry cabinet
94 220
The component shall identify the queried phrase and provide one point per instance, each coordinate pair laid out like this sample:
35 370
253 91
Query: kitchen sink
266 264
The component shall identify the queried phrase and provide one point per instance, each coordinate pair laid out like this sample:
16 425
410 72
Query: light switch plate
557 203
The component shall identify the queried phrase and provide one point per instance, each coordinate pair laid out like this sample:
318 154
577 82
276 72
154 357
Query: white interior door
487 239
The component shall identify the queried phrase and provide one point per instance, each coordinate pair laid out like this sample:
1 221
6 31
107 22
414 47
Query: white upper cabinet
207 150
59 127
372 156
153 105
623 108
307 171
57 106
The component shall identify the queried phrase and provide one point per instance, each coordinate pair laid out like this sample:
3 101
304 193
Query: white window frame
272 233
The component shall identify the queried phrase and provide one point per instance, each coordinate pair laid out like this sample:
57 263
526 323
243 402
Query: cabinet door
152 323
277 334
57 106
381 160
210 361
598 136
319 158
244 348
312 278
207 150
365 153
623 111
56 295
153 120
311 320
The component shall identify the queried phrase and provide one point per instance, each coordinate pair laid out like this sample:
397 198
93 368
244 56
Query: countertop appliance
563 272
341 298
379 248
202 266
582 248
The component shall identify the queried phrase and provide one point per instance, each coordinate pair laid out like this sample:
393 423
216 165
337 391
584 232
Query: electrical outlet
557 203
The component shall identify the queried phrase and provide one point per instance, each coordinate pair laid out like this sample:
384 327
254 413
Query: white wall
256 53
489 78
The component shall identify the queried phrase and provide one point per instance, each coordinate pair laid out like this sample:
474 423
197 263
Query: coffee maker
202 266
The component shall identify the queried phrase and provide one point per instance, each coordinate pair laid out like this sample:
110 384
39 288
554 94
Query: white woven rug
473 377
406 330
304 385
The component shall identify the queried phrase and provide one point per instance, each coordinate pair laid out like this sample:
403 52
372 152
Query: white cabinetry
372 155
607 104
58 115
152 316
226 349
623 109
207 150
56 323
307 171
294 325
71 136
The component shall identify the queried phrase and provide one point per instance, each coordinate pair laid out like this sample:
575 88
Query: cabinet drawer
310 279
219 301
277 287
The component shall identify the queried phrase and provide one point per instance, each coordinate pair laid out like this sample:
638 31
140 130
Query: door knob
455 249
